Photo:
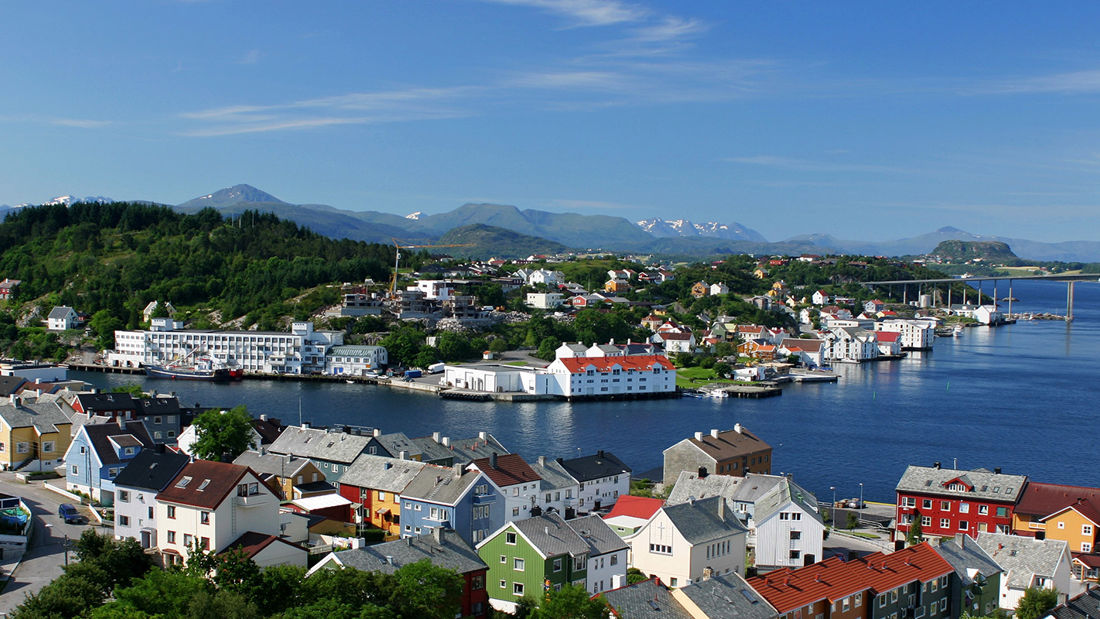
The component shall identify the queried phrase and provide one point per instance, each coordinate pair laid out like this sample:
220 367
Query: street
45 556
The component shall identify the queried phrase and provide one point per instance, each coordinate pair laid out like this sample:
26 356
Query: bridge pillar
1010 297
1069 300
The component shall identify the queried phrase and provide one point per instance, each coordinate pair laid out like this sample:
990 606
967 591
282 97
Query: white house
820 298
719 288
1028 562
516 481
212 504
607 553
151 307
915 334
889 342
851 344
544 300
684 543
787 526
355 360
810 352
543 276
136 489
61 318
675 342
603 376
602 478
558 491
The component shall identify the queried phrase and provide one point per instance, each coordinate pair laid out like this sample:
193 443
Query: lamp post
860 506
832 508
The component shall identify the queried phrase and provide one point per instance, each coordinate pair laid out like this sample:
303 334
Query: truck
413 373
436 368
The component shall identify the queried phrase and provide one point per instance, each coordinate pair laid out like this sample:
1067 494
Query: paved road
45 557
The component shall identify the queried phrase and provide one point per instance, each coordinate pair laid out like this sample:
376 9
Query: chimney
458 470
493 460
721 508
997 470
936 464
542 461
737 428
263 417
702 472
305 425
402 455
546 530
483 436
714 432
436 436
437 535
13 399
378 431
691 501
446 441
599 454
698 436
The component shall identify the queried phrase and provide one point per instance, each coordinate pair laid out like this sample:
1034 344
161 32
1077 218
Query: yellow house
36 433
1077 525
288 477
760 273
616 285
374 484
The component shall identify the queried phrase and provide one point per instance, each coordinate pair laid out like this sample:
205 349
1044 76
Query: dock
759 390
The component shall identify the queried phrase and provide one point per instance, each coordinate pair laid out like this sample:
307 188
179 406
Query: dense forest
115 258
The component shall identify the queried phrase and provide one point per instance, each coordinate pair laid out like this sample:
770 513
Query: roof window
183 482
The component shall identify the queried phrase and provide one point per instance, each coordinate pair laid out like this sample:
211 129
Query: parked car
69 514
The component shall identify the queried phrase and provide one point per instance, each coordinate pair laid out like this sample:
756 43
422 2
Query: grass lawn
692 378
515 363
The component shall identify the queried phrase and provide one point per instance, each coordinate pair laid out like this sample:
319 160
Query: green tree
132 389
547 347
104 324
722 369
571 602
165 593
1036 603
424 590
635 576
222 435
916 532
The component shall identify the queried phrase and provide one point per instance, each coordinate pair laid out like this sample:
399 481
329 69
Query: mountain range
504 225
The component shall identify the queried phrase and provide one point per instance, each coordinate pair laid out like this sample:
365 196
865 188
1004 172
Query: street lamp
832 508
860 506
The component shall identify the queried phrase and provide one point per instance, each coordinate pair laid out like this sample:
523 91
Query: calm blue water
1021 397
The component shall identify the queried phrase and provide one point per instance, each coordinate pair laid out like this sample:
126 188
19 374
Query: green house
978 576
528 557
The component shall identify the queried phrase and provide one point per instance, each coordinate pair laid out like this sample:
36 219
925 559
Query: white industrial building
355 360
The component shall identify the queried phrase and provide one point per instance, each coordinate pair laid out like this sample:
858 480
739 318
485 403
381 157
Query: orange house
1077 525
374 485
757 350
700 289
1041 500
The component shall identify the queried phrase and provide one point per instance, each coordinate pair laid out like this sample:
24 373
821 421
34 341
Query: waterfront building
732 452
889 343
602 478
451 498
530 556
1029 563
441 547
683 543
977 583
332 452
99 452
606 376
355 360
915 334
374 484
852 344
810 353
212 504
514 479
302 351
33 435
136 489
949 501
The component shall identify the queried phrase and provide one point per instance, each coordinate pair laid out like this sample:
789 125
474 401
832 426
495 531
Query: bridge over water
1070 280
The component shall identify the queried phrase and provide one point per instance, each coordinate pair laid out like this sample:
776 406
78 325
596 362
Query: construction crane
397 258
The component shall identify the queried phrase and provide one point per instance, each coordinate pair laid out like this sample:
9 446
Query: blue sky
865 120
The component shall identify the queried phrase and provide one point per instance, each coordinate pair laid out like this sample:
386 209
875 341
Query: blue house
99 452
451 498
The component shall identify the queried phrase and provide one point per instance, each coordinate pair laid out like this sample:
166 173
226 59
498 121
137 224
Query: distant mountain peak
236 194
70 200
951 230
711 229
414 216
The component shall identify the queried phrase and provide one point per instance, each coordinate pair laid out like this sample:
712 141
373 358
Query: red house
950 501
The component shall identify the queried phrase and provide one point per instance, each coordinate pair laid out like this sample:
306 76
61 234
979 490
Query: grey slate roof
967 557
439 484
317 444
396 442
699 523
431 451
729 596
781 495
271 464
59 312
754 486
380 473
987 485
43 416
643 600
353 351
588 468
688 485
1023 558
150 470
466 450
9 384
1084 606
450 553
551 536
554 476
100 435
600 538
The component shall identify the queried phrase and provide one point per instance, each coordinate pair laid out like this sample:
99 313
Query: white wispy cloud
586 12
77 123
670 28
1073 82
810 165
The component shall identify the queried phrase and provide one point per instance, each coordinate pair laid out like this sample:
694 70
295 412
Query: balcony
483 499
254 500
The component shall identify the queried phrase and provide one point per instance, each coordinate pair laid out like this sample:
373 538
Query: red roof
635 507
1087 560
805 345
1085 509
252 543
1039 499
749 329
510 470
209 483
579 365
833 579
887 336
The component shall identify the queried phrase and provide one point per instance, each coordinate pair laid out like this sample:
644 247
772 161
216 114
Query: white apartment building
136 489
355 360
301 351
915 334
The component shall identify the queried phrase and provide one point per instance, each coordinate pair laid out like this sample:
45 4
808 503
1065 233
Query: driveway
45 557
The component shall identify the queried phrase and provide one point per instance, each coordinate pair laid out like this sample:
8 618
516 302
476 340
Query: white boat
958 331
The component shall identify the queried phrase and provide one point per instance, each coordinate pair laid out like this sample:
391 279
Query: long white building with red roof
605 376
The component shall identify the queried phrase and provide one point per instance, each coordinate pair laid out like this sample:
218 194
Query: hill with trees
962 251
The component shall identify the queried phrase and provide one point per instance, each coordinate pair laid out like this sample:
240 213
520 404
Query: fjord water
1020 397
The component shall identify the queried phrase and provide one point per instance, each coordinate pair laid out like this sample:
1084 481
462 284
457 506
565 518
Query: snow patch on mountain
711 229
414 216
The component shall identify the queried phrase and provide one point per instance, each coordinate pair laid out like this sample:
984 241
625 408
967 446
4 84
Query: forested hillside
117 257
